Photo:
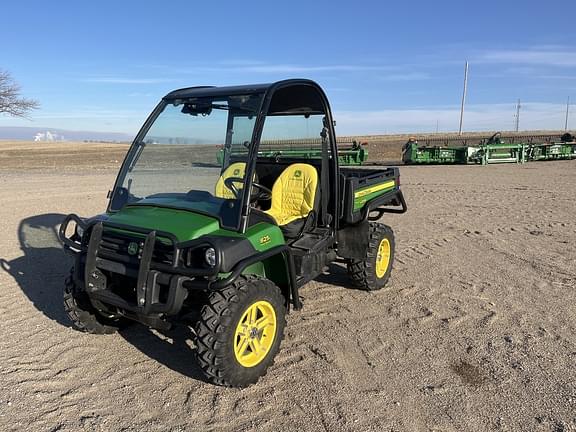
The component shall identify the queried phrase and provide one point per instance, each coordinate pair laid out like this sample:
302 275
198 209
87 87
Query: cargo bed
369 193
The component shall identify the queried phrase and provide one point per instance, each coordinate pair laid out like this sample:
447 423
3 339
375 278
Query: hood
185 225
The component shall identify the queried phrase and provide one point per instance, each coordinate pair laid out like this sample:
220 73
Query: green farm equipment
413 153
225 247
355 154
489 151
565 149
352 154
495 150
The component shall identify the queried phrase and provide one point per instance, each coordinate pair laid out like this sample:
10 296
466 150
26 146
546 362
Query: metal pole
518 115
463 98
567 111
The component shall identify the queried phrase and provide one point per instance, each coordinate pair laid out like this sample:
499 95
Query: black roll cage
269 91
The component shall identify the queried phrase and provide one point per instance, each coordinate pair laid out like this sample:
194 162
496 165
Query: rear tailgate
366 190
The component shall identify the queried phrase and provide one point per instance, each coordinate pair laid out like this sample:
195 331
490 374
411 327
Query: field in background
58 155
68 154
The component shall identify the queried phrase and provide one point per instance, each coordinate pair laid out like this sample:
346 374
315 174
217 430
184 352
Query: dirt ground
475 332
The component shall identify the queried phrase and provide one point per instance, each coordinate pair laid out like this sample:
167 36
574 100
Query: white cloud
410 76
90 114
288 68
142 94
534 56
254 67
99 120
557 77
480 117
117 80
533 116
235 68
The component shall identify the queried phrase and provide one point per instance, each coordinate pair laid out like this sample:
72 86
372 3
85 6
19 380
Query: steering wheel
494 138
229 183
263 192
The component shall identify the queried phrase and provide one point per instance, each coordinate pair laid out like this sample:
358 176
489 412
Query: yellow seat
294 193
237 169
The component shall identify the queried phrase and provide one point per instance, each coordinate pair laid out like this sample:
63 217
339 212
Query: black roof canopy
211 91
291 96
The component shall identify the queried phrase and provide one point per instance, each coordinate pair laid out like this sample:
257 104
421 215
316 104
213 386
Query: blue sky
386 66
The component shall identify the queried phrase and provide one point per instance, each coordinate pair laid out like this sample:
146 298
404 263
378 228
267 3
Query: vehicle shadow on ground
337 275
171 348
40 273
41 270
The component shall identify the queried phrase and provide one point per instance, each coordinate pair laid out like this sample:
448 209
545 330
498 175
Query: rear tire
83 315
372 272
234 346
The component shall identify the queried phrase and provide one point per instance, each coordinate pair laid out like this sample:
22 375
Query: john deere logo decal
297 173
132 248
265 239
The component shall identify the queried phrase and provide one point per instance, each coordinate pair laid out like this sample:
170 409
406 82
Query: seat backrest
237 169
294 193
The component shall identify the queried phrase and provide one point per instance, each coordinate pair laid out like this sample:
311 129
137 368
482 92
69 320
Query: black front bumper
154 266
147 279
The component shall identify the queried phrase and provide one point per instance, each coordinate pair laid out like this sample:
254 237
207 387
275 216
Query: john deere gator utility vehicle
229 244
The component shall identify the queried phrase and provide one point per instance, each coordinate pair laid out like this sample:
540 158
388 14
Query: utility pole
463 98
517 115
567 111
436 126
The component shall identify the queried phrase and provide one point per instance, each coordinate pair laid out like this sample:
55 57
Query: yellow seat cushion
293 193
237 169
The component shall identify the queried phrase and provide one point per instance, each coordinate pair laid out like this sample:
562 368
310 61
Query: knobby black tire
362 272
81 312
217 324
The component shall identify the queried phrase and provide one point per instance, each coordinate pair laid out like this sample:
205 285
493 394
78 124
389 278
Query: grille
126 249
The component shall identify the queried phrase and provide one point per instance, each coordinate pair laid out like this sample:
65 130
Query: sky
387 67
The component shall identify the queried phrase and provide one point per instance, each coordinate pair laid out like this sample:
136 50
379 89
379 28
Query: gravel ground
475 331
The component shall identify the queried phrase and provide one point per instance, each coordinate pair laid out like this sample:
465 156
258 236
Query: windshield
178 162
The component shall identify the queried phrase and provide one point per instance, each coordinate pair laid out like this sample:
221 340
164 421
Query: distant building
48 137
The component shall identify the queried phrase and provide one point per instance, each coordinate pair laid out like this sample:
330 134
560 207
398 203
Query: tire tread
82 316
216 319
362 272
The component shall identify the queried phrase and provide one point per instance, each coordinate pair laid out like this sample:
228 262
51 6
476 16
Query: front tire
240 330
372 272
82 314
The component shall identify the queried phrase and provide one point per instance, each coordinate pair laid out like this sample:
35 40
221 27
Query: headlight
210 256
79 231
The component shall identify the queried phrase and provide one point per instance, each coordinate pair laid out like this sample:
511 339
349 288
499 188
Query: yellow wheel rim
383 258
255 334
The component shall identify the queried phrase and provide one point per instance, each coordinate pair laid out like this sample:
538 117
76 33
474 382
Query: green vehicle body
179 223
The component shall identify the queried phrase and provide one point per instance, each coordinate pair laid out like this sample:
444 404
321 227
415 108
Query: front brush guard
69 244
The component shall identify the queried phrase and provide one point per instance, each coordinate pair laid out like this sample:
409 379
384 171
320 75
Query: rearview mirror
195 108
